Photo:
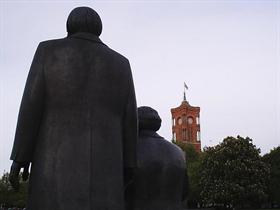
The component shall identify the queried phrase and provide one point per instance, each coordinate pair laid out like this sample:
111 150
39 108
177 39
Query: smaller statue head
84 19
148 119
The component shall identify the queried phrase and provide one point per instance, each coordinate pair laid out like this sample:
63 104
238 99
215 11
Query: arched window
179 121
173 121
184 134
174 136
197 120
190 120
198 136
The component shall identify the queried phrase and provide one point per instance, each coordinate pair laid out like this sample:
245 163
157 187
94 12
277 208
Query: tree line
232 174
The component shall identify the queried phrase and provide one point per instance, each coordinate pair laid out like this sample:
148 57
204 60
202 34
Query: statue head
148 119
84 19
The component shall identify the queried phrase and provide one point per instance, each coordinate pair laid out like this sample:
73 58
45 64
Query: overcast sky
226 51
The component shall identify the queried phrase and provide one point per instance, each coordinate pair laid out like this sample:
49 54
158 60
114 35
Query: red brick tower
186 125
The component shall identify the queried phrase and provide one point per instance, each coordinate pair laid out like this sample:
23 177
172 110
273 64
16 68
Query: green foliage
273 161
193 161
233 174
10 198
191 154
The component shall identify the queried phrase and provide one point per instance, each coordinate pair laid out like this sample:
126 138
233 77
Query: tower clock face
190 120
180 121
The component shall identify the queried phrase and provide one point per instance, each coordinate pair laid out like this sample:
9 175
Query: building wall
186 125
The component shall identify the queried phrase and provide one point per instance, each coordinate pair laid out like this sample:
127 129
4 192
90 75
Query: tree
4 190
10 198
273 161
190 153
232 174
193 165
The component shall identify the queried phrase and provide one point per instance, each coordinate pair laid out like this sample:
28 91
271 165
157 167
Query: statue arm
130 132
30 112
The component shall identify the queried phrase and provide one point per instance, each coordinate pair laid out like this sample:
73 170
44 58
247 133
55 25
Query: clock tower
186 124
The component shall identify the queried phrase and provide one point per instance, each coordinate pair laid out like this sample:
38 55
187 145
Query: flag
186 86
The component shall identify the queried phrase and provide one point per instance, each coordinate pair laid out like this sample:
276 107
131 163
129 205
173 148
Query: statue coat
161 181
77 124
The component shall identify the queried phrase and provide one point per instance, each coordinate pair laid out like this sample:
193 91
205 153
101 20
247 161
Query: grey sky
226 51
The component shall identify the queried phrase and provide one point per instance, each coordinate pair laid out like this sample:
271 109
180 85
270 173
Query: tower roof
185 105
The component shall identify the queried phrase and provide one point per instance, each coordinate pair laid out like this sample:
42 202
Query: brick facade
186 124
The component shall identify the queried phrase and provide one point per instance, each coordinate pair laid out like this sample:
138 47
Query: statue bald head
84 19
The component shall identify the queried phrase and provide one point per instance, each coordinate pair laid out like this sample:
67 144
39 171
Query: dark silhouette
161 179
77 123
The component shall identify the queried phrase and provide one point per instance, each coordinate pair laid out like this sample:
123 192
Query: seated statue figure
161 178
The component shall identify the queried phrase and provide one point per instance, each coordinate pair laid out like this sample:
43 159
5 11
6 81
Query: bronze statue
77 123
161 181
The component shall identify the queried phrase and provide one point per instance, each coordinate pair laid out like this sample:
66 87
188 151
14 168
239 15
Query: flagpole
184 92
